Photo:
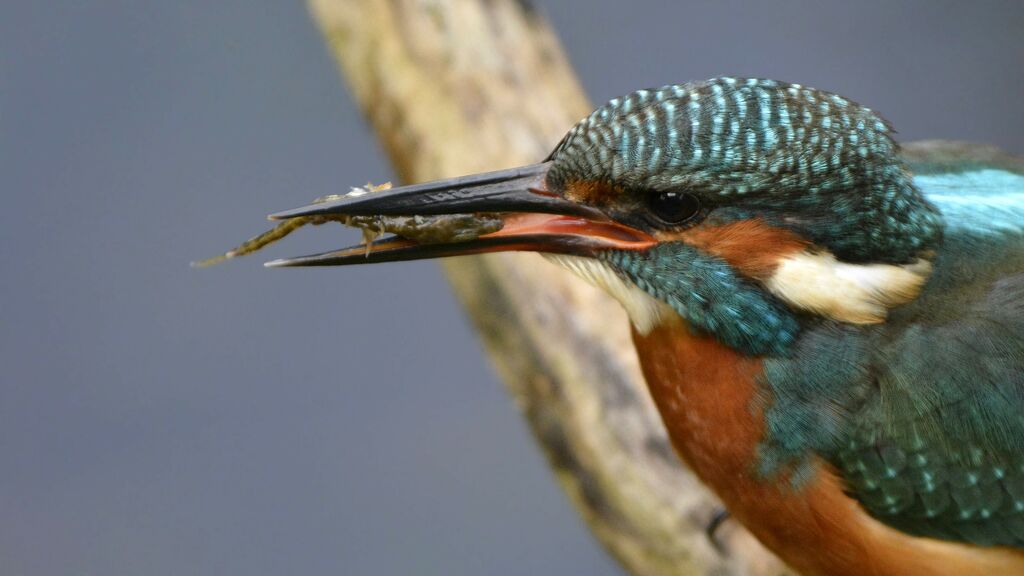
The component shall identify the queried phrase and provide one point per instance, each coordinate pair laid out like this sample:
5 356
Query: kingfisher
834 343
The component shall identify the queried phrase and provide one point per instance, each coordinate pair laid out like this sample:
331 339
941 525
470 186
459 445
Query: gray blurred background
156 419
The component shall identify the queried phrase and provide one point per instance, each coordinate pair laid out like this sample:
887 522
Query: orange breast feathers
708 398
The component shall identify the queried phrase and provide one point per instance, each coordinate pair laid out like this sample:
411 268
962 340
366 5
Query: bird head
745 207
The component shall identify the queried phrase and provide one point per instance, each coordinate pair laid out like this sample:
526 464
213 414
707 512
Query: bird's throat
707 395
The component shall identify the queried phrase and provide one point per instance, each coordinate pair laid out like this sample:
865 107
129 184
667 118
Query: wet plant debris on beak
421 229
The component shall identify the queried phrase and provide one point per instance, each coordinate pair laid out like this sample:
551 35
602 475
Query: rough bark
459 86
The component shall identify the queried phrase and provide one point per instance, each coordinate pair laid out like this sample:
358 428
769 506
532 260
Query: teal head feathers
813 166
802 159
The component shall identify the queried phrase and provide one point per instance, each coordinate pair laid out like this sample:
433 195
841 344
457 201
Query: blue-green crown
805 159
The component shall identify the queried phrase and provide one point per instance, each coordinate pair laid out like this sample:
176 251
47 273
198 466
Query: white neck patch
811 281
854 293
644 310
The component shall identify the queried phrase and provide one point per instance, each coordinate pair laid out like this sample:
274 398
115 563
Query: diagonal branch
459 86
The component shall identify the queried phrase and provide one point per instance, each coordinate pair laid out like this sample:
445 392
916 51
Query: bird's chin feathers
644 310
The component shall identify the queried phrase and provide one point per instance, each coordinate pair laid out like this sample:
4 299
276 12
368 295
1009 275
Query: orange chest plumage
708 396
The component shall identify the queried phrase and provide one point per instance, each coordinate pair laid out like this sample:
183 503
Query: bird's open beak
529 218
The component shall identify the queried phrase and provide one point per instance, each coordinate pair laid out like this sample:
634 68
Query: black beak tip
293 213
290 262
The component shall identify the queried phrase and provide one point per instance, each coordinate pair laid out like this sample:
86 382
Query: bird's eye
674 207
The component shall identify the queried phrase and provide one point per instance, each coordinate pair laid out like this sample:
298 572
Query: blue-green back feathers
983 201
924 415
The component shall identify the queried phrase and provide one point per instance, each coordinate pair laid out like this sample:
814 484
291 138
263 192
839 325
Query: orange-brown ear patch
595 193
753 247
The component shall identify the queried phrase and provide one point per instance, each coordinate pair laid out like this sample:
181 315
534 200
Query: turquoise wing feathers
940 447
923 416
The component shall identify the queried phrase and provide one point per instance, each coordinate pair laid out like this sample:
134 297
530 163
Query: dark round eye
674 207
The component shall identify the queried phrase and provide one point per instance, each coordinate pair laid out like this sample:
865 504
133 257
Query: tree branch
459 86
